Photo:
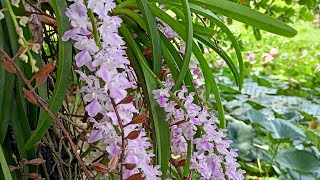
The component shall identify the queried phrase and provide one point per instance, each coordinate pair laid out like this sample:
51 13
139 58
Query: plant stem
94 28
44 105
16 24
122 137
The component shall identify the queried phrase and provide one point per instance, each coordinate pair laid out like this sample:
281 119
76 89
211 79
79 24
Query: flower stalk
23 42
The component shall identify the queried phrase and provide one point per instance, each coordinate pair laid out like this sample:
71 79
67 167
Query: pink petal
104 74
93 108
95 136
83 57
117 93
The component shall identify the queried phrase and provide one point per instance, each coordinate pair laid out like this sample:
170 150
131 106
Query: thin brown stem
122 137
44 105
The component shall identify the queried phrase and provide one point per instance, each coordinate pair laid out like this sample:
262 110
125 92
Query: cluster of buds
26 46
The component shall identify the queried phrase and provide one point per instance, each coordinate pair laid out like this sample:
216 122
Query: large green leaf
299 160
242 136
248 16
279 129
62 80
314 138
305 176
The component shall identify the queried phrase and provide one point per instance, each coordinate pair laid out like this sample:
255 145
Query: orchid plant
149 94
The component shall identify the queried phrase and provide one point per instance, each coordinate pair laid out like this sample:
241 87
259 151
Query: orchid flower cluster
213 158
108 79
108 86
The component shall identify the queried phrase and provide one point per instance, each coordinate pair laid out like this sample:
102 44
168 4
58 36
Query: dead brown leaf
100 167
30 97
8 66
133 135
139 119
36 161
112 165
136 176
127 99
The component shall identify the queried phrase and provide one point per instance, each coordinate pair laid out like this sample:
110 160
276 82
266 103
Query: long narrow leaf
6 86
10 158
64 70
154 35
22 132
4 166
178 60
169 59
197 52
248 16
215 19
240 13
125 13
221 53
188 42
16 106
160 125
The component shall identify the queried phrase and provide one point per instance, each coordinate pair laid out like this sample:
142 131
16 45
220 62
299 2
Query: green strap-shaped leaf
4 166
248 16
178 60
170 61
22 131
240 13
207 72
15 106
154 35
215 19
6 84
64 70
175 54
221 53
6 148
202 30
158 115
188 41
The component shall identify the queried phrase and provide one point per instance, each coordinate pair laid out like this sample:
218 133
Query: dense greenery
274 121
262 87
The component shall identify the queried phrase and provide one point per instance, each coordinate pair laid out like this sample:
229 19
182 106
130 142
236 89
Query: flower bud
15 2
19 31
33 66
23 21
24 57
36 47
20 41
1 15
